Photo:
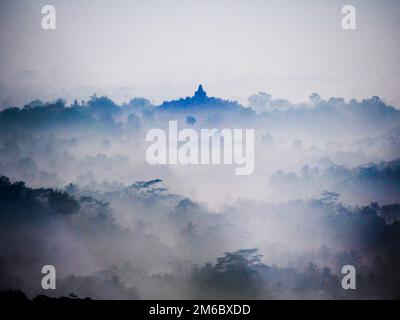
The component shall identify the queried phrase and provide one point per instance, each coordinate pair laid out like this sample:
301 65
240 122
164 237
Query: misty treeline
159 255
77 193
101 113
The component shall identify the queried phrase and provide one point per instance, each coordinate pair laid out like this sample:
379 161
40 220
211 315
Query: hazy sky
161 49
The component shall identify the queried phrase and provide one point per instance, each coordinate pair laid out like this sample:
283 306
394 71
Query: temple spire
200 93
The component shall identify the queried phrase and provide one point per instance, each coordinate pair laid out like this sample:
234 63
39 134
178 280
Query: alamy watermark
49 280
349 20
349 280
210 147
49 17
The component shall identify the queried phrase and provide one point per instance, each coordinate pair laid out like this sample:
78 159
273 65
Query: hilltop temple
202 103
200 94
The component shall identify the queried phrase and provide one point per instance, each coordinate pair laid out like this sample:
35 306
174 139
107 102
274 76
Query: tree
235 275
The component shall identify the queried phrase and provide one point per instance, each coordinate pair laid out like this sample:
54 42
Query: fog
77 193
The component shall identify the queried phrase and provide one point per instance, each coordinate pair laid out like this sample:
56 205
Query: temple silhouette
200 102
200 94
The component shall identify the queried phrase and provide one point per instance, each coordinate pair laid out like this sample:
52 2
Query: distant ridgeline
100 113
200 102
